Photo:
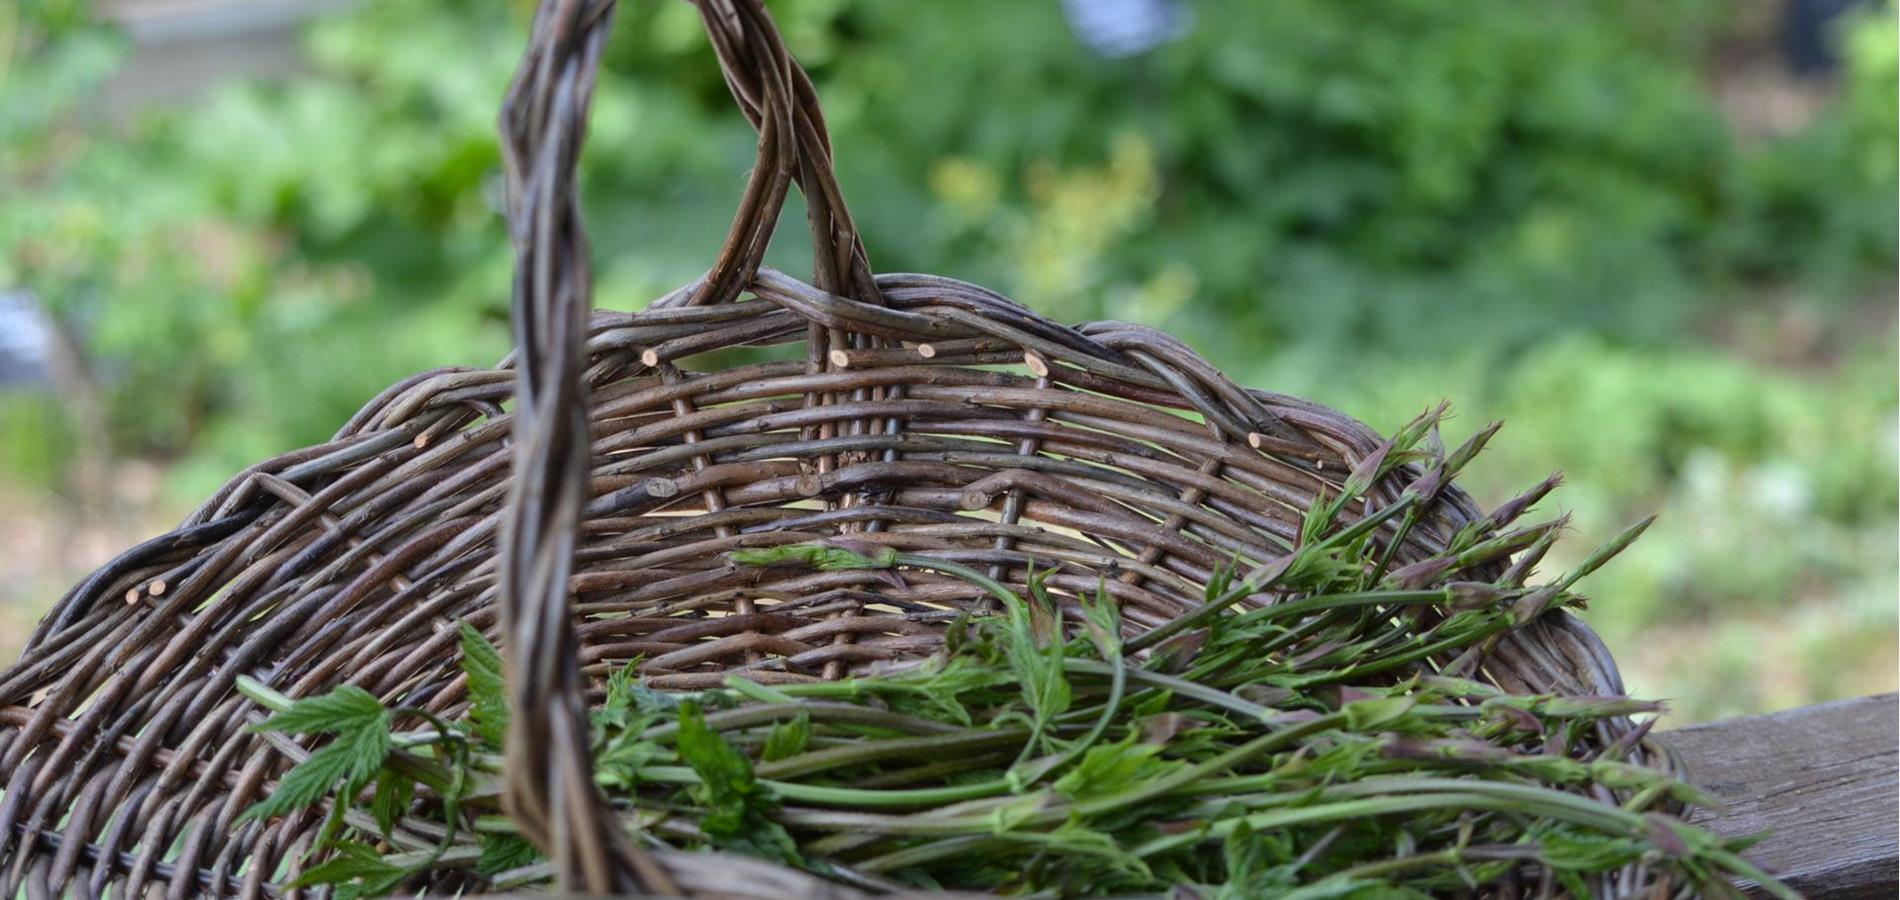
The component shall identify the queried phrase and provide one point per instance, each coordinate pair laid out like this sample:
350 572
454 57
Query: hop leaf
487 690
1103 619
353 758
361 725
502 852
1036 658
787 738
737 803
393 794
345 709
353 861
1108 768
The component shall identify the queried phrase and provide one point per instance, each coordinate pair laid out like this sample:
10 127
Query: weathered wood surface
1823 780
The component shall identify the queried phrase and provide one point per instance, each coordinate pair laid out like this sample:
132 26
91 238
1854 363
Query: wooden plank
1823 780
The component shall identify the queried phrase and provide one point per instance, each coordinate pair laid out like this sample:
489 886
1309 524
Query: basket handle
777 97
549 789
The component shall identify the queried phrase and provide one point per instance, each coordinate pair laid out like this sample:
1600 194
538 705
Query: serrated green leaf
304 785
352 861
787 738
622 684
1078 844
1110 768
630 708
502 852
1045 616
1318 518
345 708
353 758
724 773
393 795
368 747
735 803
1103 619
619 765
487 688
1036 660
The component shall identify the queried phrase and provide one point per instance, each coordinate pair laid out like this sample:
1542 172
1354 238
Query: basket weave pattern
575 502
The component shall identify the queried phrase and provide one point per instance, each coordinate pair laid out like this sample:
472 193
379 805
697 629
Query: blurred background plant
1646 233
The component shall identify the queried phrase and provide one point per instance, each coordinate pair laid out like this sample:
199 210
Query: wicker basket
576 500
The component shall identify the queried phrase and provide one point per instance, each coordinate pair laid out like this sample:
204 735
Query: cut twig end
1036 364
927 351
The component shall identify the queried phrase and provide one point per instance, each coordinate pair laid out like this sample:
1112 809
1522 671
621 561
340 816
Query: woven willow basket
575 502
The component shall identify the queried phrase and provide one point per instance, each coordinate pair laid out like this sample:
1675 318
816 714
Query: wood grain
1821 779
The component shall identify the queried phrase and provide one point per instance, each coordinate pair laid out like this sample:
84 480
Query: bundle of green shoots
1321 745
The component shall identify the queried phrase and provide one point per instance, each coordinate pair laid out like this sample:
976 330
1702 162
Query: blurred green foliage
1530 208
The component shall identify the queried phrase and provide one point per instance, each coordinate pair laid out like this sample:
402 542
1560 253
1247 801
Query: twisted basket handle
549 788
777 97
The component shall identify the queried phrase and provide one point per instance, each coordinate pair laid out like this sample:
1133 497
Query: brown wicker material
924 413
